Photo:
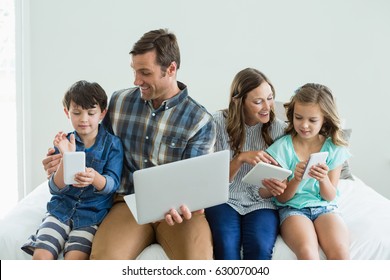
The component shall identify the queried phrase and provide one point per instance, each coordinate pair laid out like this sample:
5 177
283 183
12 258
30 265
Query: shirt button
147 137
173 144
153 114
145 160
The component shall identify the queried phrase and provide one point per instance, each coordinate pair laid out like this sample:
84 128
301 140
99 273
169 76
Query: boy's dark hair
165 44
86 95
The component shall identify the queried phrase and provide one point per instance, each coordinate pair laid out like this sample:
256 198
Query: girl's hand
86 178
299 169
63 144
319 171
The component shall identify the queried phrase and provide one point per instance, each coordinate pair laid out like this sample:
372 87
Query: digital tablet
314 159
264 170
74 162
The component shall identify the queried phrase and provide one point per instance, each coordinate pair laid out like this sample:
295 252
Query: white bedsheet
366 213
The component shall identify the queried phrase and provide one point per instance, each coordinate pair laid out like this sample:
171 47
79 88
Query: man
158 123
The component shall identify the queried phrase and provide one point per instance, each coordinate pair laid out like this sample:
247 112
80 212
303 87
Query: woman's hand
274 186
254 157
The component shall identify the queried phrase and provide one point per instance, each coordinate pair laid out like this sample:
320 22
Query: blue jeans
256 232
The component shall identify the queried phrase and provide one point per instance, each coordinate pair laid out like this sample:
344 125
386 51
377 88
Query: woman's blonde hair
321 95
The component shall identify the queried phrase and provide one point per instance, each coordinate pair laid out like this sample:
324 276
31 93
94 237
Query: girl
308 207
249 220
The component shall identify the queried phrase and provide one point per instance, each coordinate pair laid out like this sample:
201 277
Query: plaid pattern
180 128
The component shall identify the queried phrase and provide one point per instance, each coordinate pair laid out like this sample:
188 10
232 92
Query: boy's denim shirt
86 206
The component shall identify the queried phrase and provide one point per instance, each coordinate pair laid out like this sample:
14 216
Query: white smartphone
314 159
74 162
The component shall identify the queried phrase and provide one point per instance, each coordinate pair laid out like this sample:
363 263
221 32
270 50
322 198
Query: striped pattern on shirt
243 197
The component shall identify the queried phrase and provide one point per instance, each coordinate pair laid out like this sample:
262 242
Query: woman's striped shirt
243 197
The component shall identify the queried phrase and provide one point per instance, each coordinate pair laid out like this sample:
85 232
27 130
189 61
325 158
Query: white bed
366 213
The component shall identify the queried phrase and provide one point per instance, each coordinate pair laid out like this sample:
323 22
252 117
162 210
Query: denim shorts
311 213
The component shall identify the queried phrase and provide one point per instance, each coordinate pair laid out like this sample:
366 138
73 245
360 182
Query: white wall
342 44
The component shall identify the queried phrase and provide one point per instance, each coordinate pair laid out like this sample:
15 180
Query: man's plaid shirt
180 128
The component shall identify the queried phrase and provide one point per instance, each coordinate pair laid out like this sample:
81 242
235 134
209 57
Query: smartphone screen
74 162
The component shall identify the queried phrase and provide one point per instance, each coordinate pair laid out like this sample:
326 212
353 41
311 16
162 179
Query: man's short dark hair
165 44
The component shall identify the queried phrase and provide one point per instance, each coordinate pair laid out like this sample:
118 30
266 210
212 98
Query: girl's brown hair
321 95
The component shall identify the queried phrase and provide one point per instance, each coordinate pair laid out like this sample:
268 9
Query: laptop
198 183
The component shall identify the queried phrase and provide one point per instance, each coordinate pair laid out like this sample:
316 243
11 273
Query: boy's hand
86 178
63 144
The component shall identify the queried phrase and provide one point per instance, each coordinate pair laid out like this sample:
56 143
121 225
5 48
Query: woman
249 219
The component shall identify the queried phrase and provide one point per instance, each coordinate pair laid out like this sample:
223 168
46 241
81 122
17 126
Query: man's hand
51 162
173 216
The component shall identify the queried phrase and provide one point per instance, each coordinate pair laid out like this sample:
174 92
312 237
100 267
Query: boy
75 211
